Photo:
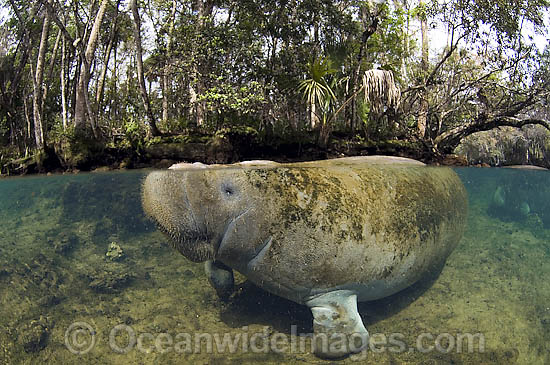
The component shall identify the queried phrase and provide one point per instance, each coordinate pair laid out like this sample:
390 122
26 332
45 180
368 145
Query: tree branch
62 27
431 77
449 140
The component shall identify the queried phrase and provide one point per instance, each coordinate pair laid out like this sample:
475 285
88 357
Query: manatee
522 195
525 167
499 197
324 233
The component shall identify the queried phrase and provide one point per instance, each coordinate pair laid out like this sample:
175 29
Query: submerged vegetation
88 83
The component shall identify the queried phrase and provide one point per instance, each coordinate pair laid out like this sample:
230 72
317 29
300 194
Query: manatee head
201 208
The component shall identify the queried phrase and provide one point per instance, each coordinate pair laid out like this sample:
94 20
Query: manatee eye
228 190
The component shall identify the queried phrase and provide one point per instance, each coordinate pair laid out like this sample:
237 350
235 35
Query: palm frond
380 90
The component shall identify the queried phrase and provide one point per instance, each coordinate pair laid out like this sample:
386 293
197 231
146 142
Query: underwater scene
86 278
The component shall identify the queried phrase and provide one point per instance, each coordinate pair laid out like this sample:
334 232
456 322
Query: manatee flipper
337 326
220 277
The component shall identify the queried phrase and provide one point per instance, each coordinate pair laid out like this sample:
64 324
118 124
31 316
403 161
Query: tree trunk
165 93
325 131
37 84
24 47
422 119
370 22
403 7
204 10
313 118
166 88
80 103
27 119
82 107
139 60
112 111
63 84
51 68
106 58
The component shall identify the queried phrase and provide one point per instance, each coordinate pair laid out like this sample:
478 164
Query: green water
83 273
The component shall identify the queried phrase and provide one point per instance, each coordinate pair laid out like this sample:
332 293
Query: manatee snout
200 210
166 201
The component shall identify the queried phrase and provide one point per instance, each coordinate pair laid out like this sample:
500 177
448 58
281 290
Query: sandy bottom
63 300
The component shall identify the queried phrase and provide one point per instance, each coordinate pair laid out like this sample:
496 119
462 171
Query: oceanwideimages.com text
81 338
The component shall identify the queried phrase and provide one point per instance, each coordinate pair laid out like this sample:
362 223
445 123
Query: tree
378 88
370 15
166 85
82 102
319 93
107 57
422 118
37 83
317 90
139 61
203 10
457 102
13 65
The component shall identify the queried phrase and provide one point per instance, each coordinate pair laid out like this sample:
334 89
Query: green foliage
134 136
4 129
229 103
501 20
58 134
175 125
316 88
508 146
244 131
180 139
363 111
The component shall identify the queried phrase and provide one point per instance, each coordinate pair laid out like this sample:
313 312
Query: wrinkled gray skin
324 233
